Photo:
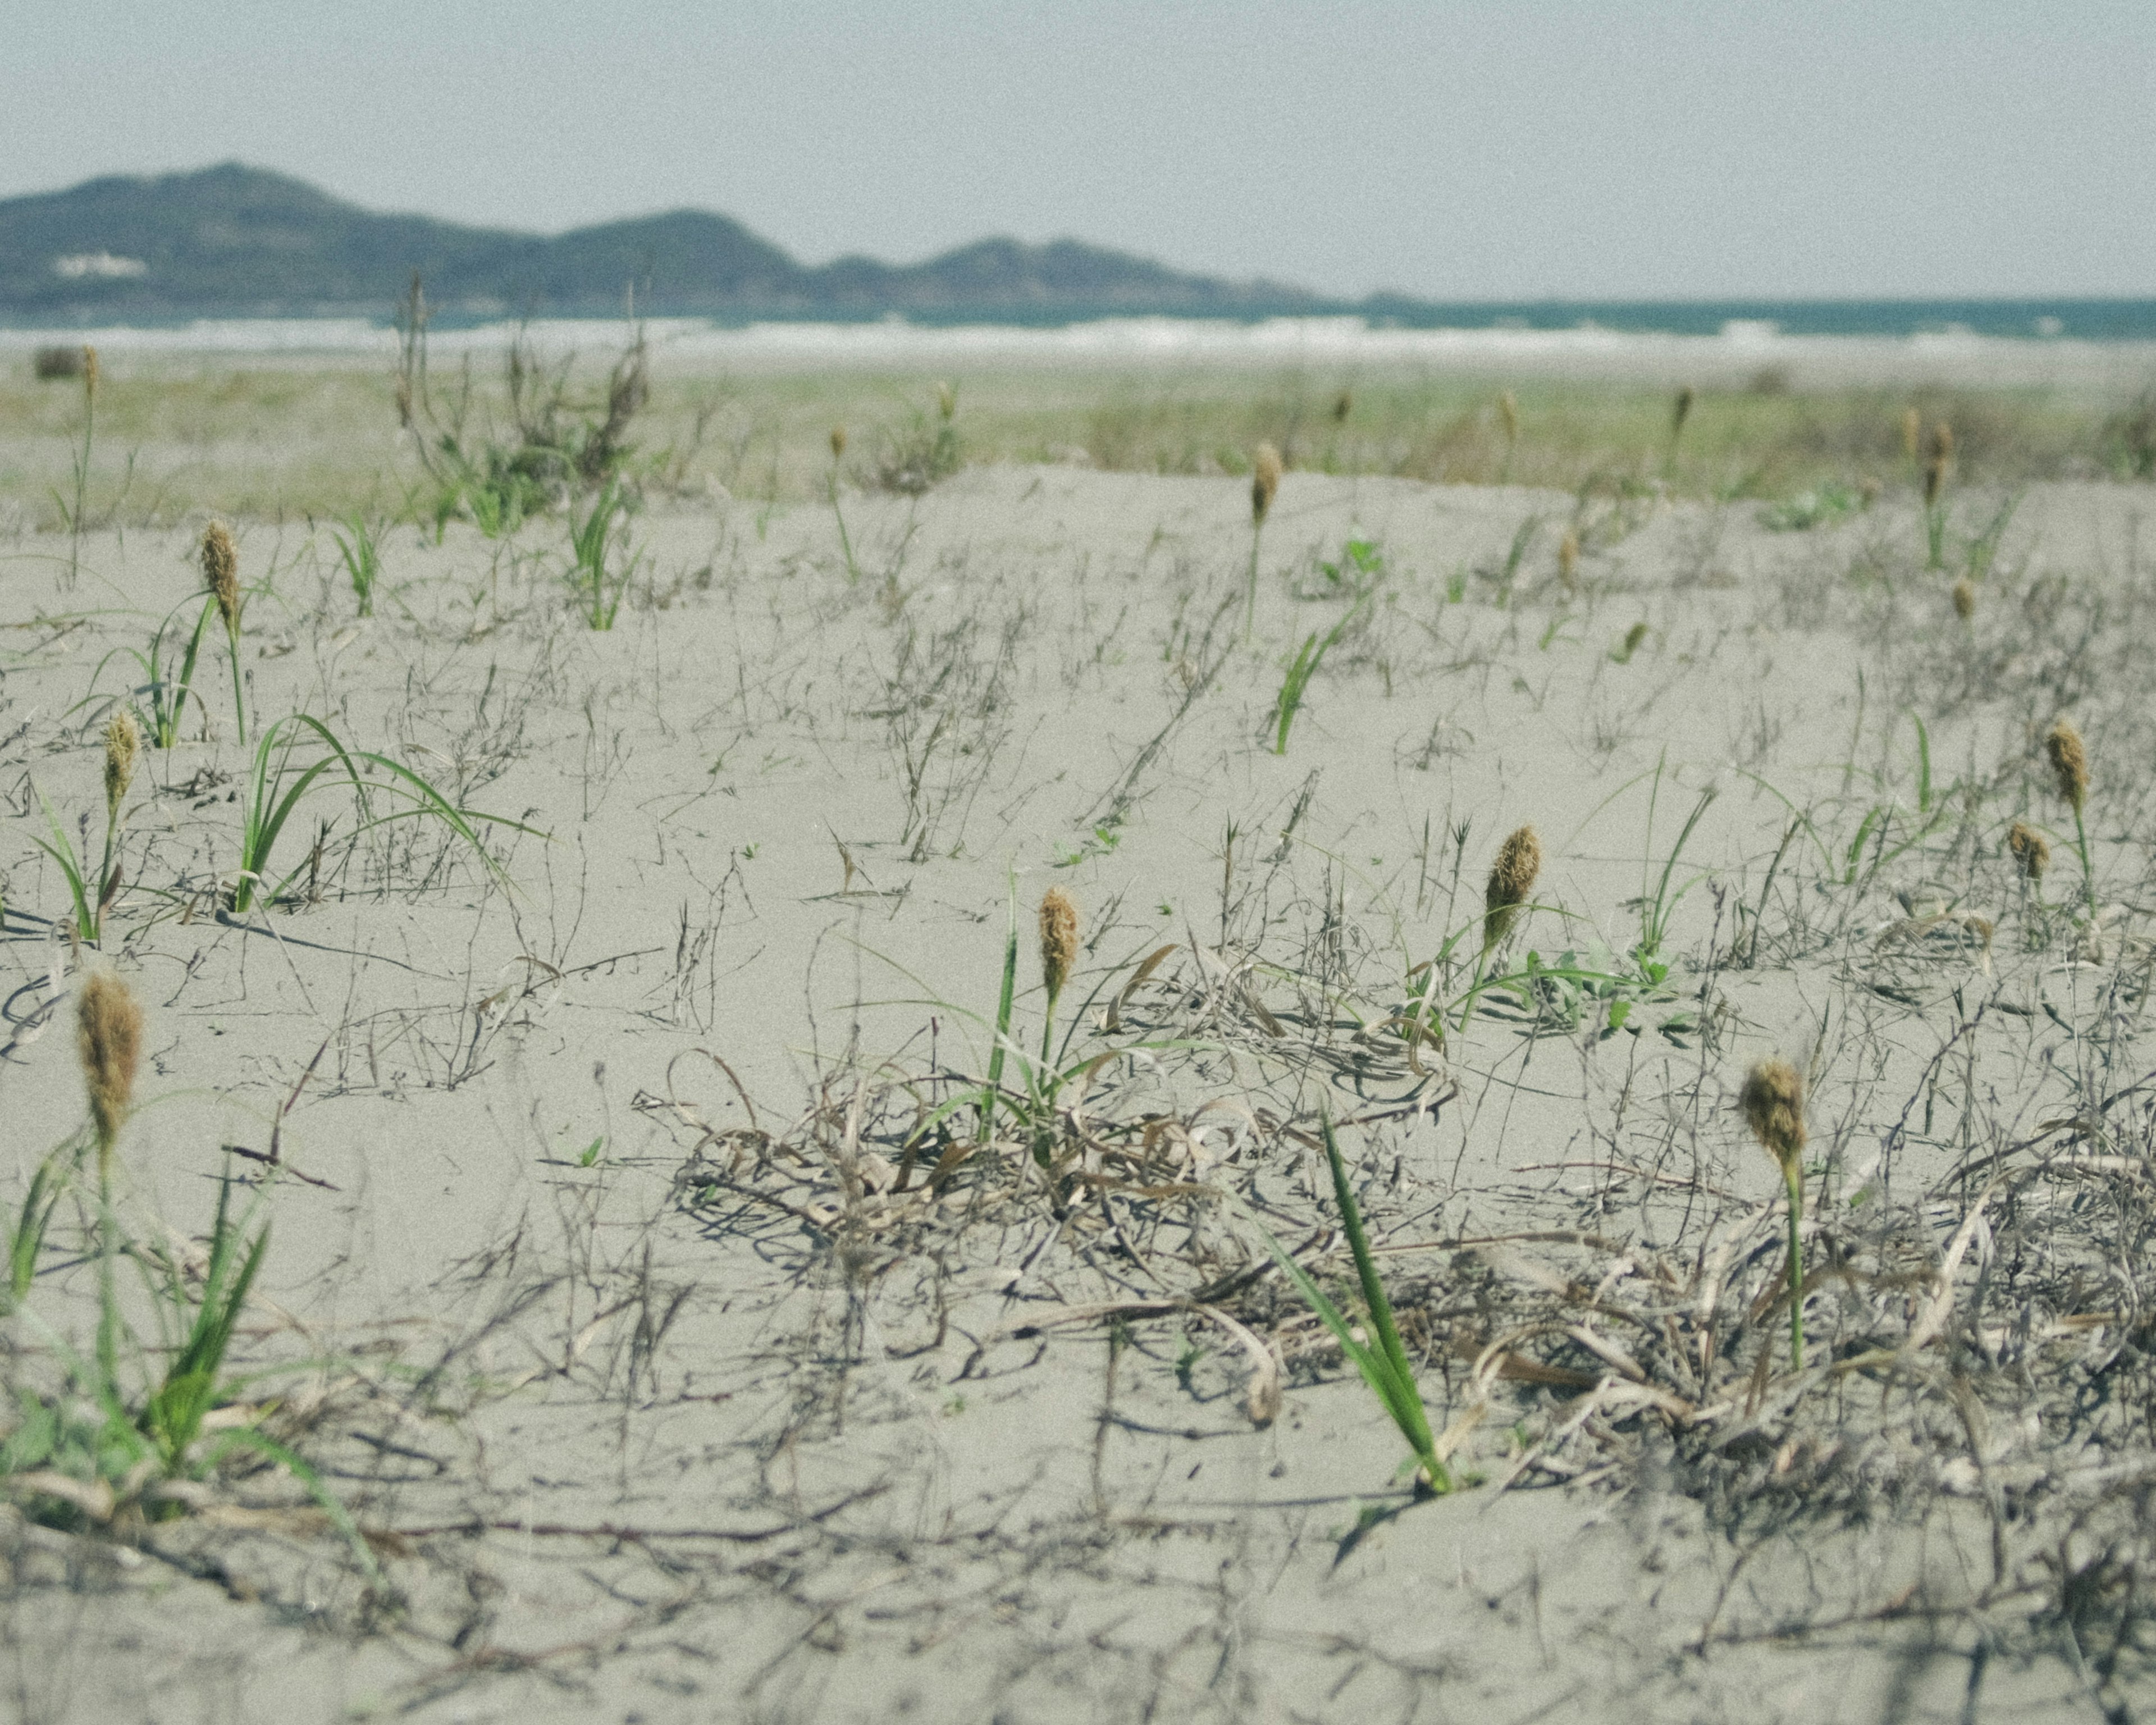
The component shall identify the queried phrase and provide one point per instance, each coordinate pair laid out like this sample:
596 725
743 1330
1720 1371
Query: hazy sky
1589 148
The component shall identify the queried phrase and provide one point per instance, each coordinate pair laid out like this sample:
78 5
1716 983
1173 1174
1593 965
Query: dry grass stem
1773 1100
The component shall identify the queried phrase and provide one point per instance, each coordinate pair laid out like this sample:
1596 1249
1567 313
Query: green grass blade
28 1237
184 684
1415 1423
1003 1004
1811 832
332 1505
63 853
1658 920
1375 1372
436 804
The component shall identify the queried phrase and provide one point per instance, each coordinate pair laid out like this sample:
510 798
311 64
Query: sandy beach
687 1340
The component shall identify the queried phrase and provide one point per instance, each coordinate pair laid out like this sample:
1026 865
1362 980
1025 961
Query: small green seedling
1302 668
592 542
362 560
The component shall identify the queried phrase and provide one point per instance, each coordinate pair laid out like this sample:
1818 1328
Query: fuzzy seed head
1508 410
90 374
109 1037
1343 406
1511 879
837 443
1965 598
220 566
1264 482
2070 764
1773 1103
1912 433
2031 851
1568 557
947 401
123 746
1682 411
1059 939
1940 468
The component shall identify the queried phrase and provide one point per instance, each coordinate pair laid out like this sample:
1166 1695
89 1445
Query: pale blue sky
1520 148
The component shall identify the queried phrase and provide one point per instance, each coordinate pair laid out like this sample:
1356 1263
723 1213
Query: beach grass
297 441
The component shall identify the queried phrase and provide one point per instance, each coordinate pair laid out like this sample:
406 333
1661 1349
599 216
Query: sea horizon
2086 318
2103 344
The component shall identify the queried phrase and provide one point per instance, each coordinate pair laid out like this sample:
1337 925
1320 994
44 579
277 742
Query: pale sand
929 1520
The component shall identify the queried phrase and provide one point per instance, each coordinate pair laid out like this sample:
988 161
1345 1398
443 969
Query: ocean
1825 342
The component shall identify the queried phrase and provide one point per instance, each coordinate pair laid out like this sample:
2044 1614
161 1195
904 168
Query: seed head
123 743
1567 558
837 443
1512 879
1508 410
1773 1103
1343 406
1682 411
1264 482
2030 850
90 374
1965 598
108 1037
947 401
220 563
1912 433
2070 764
1940 468
1059 939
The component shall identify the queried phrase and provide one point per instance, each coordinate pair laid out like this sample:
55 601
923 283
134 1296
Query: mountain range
239 241
233 241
